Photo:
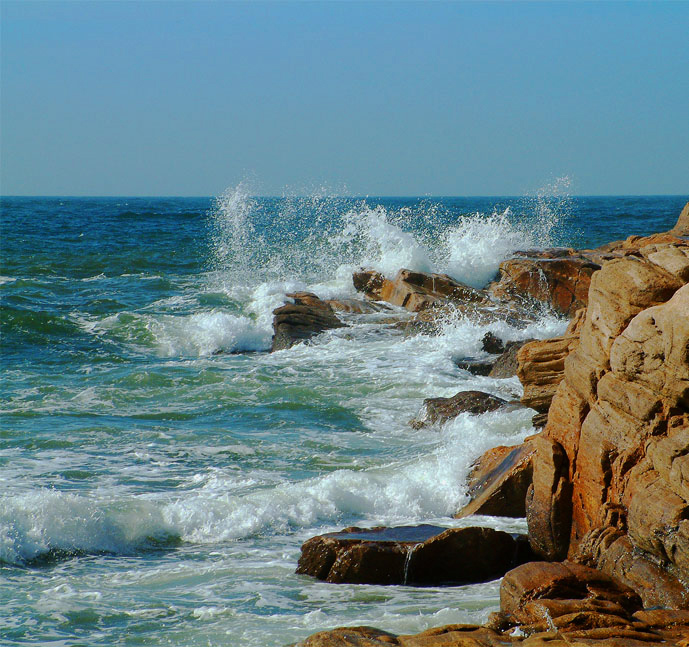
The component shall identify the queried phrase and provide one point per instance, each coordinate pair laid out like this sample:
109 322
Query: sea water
159 469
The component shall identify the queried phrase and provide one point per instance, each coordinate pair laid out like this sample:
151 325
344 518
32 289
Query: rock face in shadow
299 321
506 364
440 410
413 555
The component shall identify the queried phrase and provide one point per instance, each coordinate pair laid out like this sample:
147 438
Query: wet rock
562 581
356 306
475 366
413 555
440 410
492 344
506 365
560 278
299 321
499 481
415 291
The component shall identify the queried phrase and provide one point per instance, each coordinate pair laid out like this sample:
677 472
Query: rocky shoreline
604 485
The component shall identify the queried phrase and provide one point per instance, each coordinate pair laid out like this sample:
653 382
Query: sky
387 98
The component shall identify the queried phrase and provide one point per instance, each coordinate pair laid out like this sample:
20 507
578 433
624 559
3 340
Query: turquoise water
159 470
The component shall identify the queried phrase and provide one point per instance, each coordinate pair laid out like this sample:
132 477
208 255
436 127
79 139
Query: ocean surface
159 469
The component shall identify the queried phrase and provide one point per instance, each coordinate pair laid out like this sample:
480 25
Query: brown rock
422 555
506 365
541 368
562 281
299 321
499 481
351 637
440 410
560 581
356 306
681 228
415 291
548 500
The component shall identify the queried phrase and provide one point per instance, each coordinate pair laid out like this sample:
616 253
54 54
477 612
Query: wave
223 507
321 240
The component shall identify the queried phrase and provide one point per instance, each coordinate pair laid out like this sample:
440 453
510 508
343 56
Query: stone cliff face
620 418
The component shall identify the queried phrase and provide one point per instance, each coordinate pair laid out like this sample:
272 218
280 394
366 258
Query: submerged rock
299 321
440 410
412 555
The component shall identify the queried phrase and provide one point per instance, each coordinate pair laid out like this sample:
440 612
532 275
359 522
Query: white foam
34 523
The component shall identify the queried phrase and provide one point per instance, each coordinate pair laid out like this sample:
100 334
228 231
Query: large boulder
422 555
559 278
299 321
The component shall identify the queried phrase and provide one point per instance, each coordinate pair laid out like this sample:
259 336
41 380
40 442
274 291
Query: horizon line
353 197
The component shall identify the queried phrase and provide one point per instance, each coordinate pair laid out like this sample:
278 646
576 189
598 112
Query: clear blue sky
188 98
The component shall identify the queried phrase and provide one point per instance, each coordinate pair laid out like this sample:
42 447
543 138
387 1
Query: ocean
159 469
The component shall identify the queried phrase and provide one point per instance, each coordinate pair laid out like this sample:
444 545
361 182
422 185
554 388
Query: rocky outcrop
507 364
299 321
440 410
421 555
559 278
621 417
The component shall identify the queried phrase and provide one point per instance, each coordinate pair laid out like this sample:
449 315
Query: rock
356 306
299 321
560 279
351 637
475 366
421 555
415 291
681 228
492 344
499 481
562 581
541 368
549 500
506 365
440 410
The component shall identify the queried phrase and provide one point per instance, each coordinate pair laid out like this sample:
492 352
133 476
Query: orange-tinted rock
561 581
299 321
415 291
499 481
541 368
561 281
681 228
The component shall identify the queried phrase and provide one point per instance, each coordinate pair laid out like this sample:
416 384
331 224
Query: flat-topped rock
417 555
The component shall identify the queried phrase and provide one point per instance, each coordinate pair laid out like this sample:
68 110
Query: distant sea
159 469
